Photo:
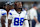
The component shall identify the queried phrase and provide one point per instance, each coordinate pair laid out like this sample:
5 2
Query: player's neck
18 10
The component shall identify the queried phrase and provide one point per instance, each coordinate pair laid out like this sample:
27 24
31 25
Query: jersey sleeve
10 15
26 23
35 14
4 12
26 15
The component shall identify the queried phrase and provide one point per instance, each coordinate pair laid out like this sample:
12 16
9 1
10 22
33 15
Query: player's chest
19 15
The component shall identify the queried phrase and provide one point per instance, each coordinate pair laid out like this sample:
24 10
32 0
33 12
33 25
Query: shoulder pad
3 10
12 10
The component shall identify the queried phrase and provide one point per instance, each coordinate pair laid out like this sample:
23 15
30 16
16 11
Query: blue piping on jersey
10 13
4 14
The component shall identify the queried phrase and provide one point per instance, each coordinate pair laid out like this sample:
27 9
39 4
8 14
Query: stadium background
27 4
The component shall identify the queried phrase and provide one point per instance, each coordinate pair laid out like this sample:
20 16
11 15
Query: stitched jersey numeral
18 21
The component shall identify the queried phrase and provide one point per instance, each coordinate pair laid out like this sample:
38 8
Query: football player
3 15
17 17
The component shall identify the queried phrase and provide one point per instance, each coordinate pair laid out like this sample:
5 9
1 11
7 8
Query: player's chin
20 8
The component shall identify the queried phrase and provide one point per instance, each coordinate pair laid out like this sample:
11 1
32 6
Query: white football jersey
18 19
2 12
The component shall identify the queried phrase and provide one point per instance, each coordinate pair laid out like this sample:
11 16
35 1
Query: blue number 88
16 21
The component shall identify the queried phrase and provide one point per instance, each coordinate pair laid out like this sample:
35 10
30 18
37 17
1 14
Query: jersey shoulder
24 11
3 12
11 11
1 9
